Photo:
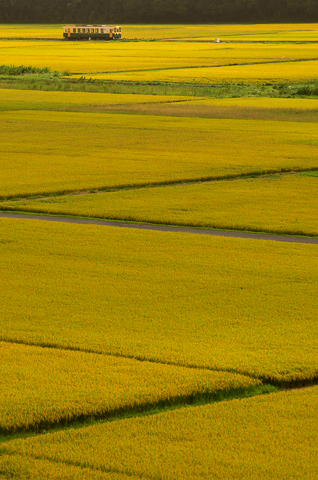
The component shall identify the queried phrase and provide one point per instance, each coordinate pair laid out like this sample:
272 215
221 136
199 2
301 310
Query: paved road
161 228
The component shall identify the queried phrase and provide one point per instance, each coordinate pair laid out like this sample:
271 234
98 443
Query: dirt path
161 228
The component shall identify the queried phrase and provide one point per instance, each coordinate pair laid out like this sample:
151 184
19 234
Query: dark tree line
157 11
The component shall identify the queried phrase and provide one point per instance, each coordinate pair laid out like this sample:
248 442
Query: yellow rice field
66 151
152 60
20 467
109 322
250 204
273 436
260 102
287 109
247 306
38 100
261 32
292 72
71 385
42 100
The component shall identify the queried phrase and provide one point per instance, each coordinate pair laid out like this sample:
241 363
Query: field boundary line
165 183
147 408
295 383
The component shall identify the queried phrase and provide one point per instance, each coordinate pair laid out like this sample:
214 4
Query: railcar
91 32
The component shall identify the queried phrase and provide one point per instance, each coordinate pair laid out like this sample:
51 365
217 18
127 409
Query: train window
79 30
115 29
119 29
88 30
69 30
74 30
83 30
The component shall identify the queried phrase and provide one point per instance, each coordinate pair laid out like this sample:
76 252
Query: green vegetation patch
22 70
309 174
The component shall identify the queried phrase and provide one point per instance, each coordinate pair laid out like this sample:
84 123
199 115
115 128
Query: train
91 32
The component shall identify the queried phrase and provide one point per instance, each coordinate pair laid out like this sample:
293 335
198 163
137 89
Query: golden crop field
258 108
261 32
67 151
20 467
292 72
289 104
101 324
72 385
261 204
11 100
152 60
38 100
226 304
272 436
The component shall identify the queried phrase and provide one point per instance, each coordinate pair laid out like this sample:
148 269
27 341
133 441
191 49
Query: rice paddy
73 385
225 304
176 62
295 72
262 204
129 353
252 438
47 152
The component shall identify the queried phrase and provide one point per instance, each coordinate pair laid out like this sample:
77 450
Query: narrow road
162 228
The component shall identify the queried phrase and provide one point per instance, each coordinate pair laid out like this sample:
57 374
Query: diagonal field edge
283 383
161 228
164 183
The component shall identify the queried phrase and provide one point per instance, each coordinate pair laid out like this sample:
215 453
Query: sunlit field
47 152
133 353
257 437
268 72
250 204
72 385
231 304
149 60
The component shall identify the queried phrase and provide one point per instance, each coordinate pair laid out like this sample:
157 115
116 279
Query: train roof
82 25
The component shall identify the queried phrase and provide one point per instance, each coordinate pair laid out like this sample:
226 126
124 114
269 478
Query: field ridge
163 183
289 383
148 408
